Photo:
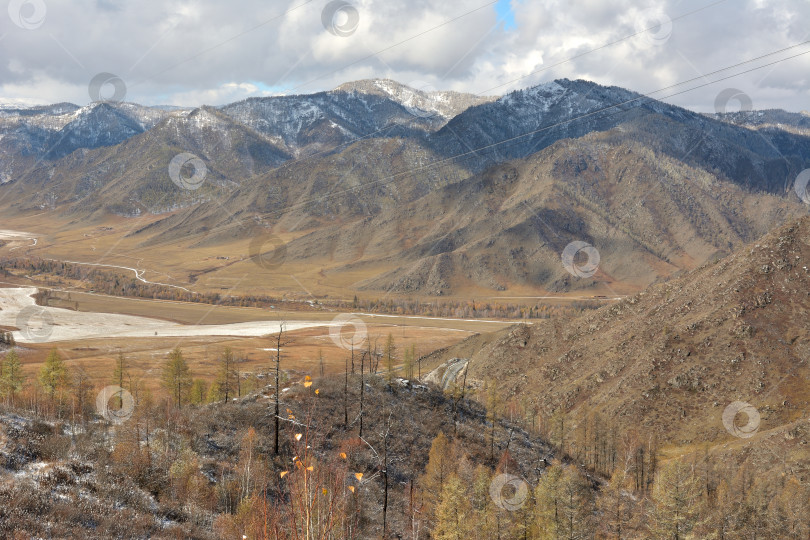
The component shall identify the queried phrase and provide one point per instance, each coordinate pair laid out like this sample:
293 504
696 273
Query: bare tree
362 385
385 474
382 466
346 395
390 352
320 362
227 377
120 372
280 342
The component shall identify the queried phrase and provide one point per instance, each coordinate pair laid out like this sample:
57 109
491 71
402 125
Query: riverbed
38 324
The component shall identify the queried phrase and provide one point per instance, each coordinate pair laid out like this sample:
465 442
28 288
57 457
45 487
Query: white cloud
225 93
208 51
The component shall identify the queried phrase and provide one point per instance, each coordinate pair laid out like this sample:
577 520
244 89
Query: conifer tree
454 515
177 377
438 469
53 375
120 375
12 378
199 392
677 502
226 376
548 512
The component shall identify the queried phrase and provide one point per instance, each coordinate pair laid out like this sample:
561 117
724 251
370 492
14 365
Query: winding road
138 273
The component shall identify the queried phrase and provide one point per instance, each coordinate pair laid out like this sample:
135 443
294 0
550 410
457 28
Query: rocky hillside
671 359
439 232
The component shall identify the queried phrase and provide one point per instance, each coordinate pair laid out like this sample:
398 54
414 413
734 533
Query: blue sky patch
505 14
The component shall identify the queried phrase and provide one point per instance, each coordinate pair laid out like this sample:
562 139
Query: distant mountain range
441 192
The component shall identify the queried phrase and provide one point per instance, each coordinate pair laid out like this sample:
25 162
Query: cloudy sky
193 52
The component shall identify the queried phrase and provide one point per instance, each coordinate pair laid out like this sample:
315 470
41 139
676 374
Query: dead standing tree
362 388
356 339
383 461
280 342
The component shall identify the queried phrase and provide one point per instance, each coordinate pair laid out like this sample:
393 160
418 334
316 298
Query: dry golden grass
224 268
146 356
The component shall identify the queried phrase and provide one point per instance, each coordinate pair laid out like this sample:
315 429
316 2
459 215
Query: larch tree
575 505
199 392
13 378
226 376
615 505
53 376
724 518
677 502
492 407
120 374
346 393
82 385
214 393
407 361
320 362
483 506
440 465
454 514
177 377
558 429
362 390
548 513
792 510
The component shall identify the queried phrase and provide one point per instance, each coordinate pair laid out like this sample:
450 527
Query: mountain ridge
356 173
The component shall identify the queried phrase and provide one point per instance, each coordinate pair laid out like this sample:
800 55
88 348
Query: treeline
63 391
622 488
119 284
466 309
696 497
7 338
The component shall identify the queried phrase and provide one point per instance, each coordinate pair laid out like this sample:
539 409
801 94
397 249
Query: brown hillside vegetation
507 226
211 471
669 360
